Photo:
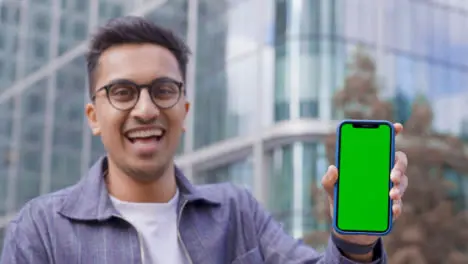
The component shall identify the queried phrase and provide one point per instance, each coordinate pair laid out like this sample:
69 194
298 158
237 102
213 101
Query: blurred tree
359 97
432 229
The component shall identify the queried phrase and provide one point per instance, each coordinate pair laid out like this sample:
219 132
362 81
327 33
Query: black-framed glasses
124 94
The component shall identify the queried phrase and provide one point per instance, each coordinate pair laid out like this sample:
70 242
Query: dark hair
133 30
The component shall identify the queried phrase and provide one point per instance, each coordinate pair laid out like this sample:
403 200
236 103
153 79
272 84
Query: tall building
262 80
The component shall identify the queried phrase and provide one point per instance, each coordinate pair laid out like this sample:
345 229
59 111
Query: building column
192 38
16 130
47 151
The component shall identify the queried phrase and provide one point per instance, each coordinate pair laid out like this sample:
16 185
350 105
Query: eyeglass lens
164 93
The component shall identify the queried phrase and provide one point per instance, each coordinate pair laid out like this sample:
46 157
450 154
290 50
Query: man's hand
400 183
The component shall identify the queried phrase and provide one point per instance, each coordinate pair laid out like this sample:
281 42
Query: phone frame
337 161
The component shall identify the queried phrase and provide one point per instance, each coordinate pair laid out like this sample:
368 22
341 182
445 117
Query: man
135 206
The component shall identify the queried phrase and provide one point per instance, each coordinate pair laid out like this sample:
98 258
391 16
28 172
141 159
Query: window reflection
173 15
37 36
41 22
294 180
360 20
404 74
66 168
421 24
228 70
9 19
68 124
73 27
440 41
97 149
239 172
298 58
28 178
6 119
311 72
109 9
402 29
458 42
281 93
2 235
441 84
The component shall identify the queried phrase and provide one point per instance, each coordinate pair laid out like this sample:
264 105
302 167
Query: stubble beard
147 175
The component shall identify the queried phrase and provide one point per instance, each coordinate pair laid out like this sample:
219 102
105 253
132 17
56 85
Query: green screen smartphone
365 154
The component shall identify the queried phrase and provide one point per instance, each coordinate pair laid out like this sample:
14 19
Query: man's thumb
329 180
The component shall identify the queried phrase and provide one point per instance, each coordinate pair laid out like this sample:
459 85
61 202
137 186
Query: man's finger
403 184
395 193
397 208
401 162
329 180
396 177
398 128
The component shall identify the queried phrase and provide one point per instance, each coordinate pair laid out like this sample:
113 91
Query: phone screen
364 162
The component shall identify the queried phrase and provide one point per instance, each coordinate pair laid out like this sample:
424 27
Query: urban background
268 81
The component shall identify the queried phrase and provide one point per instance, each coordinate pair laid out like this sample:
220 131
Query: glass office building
262 80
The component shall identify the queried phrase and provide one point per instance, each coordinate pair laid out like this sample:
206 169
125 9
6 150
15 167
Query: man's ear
90 110
187 109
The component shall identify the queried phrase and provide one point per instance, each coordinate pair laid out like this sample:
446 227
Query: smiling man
135 205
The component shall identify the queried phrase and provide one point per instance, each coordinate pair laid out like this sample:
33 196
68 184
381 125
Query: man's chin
148 170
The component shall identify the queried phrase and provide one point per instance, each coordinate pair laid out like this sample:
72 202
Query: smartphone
365 154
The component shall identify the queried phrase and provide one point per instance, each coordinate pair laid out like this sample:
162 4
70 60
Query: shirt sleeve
277 247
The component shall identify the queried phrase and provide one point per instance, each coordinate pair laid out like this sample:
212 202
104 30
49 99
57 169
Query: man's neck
126 188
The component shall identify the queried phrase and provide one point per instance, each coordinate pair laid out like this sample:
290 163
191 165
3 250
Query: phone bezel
363 123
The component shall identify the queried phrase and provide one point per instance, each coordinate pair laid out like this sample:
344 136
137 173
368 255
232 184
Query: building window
40 49
239 172
80 30
2 41
28 184
3 14
42 23
64 4
81 5
63 26
30 159
294 194
65 168
2 236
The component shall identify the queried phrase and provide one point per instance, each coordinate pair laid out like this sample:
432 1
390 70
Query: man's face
142 140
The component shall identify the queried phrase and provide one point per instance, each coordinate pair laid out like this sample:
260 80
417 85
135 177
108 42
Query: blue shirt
218 224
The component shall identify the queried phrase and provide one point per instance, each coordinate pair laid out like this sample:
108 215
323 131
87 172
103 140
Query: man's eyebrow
119 80
124 80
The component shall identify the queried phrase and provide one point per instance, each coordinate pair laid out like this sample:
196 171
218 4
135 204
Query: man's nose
145 109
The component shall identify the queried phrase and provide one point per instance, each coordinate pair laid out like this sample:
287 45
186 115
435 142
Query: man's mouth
145 136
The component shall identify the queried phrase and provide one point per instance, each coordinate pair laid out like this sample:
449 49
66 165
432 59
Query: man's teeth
145 133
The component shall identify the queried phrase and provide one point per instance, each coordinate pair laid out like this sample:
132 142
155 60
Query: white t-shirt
156 224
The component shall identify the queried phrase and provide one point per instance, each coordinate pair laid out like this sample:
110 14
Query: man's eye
167 89
122 92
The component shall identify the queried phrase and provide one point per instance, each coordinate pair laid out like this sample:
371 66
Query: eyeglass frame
140 87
